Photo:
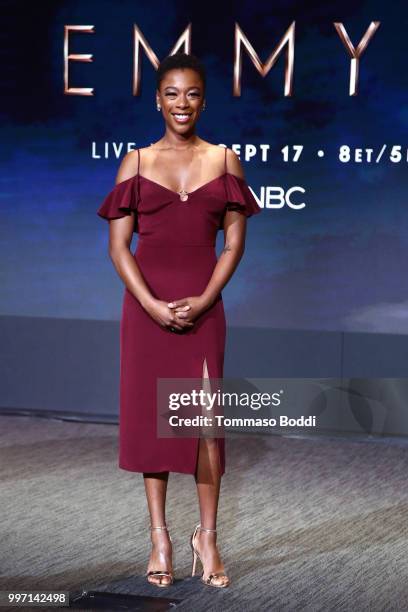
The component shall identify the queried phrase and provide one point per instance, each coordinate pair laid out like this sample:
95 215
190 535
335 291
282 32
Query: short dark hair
180 60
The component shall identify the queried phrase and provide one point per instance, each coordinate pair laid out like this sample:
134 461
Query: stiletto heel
160 573
193 571
209 580
193 550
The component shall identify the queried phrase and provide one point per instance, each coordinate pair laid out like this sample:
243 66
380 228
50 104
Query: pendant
183 195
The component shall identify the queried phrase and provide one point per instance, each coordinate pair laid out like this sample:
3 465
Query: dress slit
206 386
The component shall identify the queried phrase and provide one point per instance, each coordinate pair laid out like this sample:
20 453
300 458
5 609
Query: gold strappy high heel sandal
160 573
209 580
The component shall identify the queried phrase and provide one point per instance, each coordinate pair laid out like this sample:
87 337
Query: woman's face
181 97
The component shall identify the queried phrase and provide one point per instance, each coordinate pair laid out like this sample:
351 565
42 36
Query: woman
175 194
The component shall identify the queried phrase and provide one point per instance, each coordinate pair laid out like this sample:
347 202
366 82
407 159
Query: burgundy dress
176 255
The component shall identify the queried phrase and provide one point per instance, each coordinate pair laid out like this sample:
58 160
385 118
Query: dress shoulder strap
224 180
138 170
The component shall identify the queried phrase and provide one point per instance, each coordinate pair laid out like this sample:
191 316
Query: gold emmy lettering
354 53
241 42
77 57
288 40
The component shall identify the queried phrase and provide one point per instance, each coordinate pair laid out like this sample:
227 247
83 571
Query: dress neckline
176 193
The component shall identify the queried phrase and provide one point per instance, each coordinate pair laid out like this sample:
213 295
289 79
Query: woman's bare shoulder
128 166
231 159
216 156
233 164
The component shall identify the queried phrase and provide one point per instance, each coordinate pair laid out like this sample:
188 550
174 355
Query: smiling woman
182 102
176 193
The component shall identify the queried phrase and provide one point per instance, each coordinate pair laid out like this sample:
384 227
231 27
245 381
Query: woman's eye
172 93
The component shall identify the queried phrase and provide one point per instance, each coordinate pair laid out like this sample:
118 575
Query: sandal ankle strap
163 527
205 529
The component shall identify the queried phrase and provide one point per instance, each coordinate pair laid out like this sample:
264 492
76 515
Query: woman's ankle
161 540
206 540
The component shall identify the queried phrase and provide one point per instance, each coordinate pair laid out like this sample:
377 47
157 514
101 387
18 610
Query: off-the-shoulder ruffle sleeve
121 201
239 196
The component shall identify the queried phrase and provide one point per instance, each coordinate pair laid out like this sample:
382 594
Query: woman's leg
161 555
208 481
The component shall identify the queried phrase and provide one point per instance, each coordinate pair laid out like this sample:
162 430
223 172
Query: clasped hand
178 314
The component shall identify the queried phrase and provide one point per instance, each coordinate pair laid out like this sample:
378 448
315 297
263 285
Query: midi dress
176 256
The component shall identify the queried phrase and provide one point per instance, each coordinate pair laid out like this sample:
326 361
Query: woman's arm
120 238
234 241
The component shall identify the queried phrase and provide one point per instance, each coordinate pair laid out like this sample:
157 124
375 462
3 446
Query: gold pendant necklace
183 195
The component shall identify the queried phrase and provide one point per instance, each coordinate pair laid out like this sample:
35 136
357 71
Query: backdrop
328 253
338 263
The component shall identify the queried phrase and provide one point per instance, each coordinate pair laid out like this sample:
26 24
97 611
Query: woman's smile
181 117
